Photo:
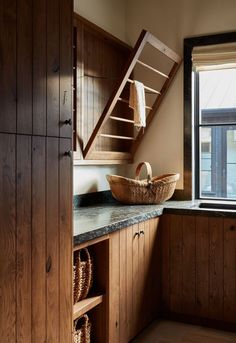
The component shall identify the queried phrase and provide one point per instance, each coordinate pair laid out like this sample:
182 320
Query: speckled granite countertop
94 221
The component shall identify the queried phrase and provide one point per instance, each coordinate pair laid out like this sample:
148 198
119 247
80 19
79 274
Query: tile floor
173 332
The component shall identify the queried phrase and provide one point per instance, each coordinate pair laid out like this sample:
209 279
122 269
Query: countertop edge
184 208
110 228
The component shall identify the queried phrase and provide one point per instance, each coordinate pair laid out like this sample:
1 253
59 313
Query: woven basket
82 274
82 330
153 190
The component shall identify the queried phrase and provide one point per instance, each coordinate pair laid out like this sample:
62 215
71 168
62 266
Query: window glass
216 132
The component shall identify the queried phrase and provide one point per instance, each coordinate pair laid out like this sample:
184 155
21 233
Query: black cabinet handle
136 234
232 228
68 153
141 232
68 122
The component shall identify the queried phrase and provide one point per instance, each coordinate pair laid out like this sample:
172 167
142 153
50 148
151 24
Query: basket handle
89 260
149 171
85 319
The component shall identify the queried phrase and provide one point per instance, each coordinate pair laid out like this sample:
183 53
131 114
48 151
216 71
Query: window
210 117
215 129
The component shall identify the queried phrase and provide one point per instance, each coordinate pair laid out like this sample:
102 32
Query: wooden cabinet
35 239
199 267
36 67
134 279
99 59
35 172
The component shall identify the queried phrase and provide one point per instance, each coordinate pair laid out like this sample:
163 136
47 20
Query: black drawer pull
141 232
136 234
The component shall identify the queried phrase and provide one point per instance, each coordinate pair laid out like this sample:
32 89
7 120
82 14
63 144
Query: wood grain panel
216 268
52 239
176 260
24 66
8 65
155 267
123 287
230 270
202 266
65 230
148 276
66 8
7 238
142 267
39 68
165 270
53 68
114 288
129 262
80 99
99 62
38 240
23 236
189 265
136 299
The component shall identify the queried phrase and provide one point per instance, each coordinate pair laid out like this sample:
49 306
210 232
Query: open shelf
86 305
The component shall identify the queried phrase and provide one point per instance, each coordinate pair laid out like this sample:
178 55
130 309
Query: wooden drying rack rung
153 69
127 101
116 137
146 87
122 119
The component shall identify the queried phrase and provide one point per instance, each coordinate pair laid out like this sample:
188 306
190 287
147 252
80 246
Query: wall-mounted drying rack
107 114
104 68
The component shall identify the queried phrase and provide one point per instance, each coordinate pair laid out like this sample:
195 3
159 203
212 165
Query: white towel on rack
138 103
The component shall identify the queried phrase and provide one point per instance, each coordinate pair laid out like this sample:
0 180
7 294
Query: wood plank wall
199 267
100 59
35 174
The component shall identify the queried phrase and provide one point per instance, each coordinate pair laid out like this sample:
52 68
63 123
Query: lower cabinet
199 267
35 239
134 279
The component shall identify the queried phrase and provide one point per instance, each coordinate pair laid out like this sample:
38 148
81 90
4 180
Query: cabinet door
147 285
199 266
36 67
134 280
8 66
7 238
35 239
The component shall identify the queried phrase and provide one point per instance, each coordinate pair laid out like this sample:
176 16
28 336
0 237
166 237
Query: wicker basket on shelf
153 190
82 330
82 274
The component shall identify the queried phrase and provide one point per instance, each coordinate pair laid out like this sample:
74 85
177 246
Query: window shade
212 57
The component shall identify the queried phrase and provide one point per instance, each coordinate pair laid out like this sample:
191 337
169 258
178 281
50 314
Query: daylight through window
214 79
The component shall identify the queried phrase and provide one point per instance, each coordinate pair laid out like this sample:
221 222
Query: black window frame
189 191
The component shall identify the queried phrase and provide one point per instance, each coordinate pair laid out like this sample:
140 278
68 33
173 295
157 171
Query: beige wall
108 14
171 21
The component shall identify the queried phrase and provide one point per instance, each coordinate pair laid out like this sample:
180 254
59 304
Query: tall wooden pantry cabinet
35 171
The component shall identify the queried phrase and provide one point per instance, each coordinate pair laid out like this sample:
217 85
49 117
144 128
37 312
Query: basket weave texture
82 274
82 330
153 190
